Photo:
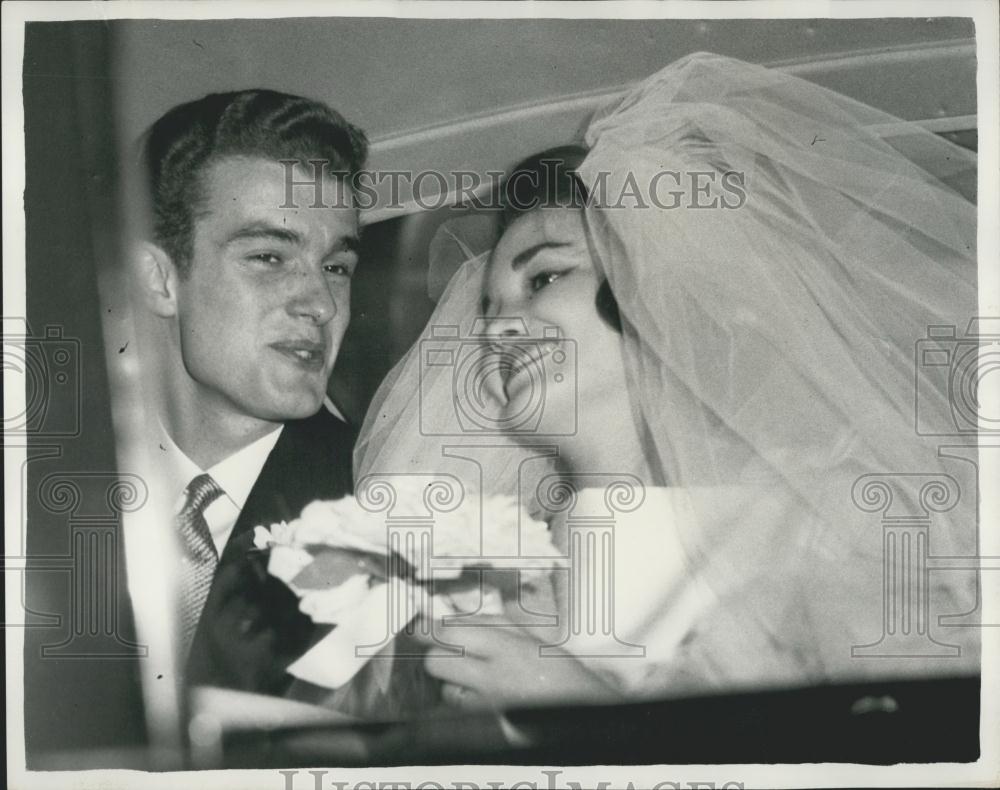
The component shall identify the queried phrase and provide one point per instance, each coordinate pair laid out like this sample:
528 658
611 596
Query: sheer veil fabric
770 347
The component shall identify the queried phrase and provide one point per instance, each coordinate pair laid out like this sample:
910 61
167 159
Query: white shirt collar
178 469
236 476
332 408
238 473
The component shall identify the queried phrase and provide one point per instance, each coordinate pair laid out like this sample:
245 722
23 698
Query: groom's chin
296 404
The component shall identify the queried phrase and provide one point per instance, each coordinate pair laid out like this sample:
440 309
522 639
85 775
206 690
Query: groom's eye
266 258
339 269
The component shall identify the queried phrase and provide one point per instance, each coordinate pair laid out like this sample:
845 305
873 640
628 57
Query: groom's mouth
307 354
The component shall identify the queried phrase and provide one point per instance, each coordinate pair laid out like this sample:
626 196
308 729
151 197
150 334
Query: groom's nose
311 299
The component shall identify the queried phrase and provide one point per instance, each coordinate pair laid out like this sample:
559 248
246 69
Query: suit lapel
251 628
311 460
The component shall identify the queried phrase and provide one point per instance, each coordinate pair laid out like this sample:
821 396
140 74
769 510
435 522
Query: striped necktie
199 557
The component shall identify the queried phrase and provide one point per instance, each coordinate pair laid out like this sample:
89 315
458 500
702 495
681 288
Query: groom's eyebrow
265 231
521 259
262 231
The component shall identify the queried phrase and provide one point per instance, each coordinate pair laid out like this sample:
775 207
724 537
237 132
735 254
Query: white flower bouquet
370 575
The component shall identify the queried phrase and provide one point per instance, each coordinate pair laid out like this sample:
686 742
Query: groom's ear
158 278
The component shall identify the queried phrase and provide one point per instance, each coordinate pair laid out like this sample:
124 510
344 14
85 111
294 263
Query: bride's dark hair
549 180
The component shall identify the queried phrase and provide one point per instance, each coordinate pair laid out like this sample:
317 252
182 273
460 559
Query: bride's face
542 273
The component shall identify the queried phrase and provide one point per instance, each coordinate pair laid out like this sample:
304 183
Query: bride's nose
504 327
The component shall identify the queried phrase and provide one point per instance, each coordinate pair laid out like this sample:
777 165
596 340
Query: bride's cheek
570 306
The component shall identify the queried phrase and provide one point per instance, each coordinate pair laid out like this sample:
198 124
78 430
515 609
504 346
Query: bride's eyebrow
521 259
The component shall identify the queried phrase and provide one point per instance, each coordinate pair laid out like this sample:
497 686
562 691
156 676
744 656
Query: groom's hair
179 148
549 179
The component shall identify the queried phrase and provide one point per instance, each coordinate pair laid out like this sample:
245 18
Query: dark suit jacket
251 628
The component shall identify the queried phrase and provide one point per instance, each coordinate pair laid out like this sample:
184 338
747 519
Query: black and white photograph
501 395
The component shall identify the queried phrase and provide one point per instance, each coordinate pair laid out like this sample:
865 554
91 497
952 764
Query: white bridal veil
772 357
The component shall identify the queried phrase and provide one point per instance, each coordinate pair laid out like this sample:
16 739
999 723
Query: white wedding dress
630 596
771 359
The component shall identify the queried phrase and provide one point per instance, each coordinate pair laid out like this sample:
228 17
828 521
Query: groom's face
265 301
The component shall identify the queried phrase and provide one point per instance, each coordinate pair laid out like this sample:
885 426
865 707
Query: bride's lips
518 364
308 354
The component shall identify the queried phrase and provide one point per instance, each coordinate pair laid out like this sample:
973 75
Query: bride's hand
502 668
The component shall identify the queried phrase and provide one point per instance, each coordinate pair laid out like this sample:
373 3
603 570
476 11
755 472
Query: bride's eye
539 281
